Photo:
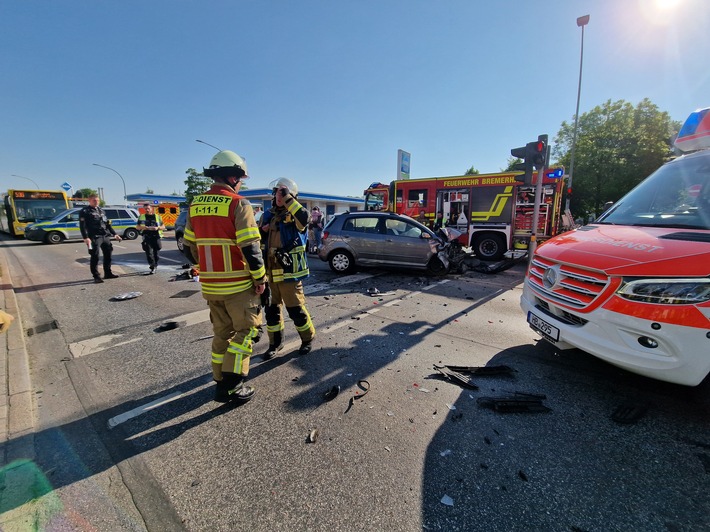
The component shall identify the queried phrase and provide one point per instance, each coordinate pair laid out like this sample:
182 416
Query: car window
122 214
361 225
411 231
111 214
73 217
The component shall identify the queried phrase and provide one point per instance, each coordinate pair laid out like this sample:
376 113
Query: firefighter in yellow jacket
221 236
284 227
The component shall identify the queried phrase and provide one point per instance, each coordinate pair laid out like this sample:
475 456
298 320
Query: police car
65 226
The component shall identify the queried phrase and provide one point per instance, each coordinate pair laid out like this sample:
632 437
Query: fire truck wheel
489 246
55 237
436 267
342 262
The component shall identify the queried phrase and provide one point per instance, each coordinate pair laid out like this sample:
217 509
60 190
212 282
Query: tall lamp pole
581 22
207 144
125 196
28 179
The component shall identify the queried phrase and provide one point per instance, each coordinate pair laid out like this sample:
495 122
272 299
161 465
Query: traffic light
534 155
526 166
541 154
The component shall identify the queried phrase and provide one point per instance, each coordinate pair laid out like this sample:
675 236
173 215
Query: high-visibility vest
212 228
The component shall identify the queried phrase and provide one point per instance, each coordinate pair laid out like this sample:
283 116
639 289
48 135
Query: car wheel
489 246
180 242
342 262
130 234
55 237
436 267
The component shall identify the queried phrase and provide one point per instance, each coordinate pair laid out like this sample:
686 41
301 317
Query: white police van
65 225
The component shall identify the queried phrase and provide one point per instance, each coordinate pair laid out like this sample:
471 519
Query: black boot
274 348
306 347
233 387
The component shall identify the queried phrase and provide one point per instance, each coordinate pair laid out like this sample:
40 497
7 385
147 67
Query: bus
20 208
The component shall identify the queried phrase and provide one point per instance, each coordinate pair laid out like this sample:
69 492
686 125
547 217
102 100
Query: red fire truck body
493 211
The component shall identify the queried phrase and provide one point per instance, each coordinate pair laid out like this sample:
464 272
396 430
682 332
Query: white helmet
227 164
282 182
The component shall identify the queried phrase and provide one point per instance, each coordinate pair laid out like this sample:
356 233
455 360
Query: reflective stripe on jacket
287 231
158 221
220 222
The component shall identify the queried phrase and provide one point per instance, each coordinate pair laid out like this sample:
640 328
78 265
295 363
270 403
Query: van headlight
666 291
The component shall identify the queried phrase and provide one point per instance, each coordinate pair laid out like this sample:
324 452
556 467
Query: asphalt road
128 437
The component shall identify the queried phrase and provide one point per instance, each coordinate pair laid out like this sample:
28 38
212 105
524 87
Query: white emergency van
633 287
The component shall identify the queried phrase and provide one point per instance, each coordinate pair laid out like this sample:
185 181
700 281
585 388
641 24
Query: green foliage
472 171
512 161
85 192
149 191
618 145
196 183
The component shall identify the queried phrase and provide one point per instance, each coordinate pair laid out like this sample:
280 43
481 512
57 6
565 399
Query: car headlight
666 291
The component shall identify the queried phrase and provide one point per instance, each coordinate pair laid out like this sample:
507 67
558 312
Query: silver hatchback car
378 239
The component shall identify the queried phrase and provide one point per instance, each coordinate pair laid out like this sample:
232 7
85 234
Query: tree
85 192
472 171
512 161
149 191
196 183
618 145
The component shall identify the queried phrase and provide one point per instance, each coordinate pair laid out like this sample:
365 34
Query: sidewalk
17 413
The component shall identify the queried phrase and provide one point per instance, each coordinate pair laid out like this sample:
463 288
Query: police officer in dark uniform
97 233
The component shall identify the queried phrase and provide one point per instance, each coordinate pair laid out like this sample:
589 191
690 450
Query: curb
17 412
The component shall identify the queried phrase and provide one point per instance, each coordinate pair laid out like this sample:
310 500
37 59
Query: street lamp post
207 144
28 179
125 195
581 22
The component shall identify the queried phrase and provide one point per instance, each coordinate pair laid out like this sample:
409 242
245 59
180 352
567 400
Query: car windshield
676 195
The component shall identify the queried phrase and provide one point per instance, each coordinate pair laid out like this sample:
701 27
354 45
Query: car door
70 225
404 244
362 236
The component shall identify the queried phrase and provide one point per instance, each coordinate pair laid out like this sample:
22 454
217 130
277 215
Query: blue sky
323 92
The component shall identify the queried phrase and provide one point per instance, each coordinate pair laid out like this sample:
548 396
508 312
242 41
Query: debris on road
127 295
365 387
515 402
167 326
455 376
629 413
374 292
312 436
332 393
448 501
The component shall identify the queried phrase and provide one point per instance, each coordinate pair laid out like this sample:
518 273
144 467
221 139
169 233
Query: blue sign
558 172
66 186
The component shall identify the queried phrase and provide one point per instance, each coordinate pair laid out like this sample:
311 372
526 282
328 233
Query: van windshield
676 195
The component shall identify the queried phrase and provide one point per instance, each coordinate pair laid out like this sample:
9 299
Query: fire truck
633 287
494 212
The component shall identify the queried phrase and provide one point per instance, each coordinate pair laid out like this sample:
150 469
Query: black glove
284 258
266 296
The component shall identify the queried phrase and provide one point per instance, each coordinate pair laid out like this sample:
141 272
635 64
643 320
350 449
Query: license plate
546 329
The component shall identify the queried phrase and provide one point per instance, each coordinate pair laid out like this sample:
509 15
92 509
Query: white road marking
104 342
121 418
100 343
317 287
